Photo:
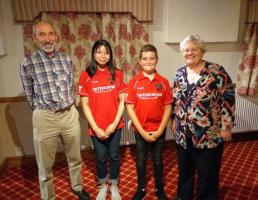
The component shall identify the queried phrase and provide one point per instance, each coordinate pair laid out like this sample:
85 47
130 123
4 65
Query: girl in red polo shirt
101 87
149 107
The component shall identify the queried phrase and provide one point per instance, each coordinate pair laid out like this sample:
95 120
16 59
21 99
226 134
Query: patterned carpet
239 176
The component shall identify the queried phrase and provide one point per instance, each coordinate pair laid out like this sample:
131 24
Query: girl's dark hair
92 67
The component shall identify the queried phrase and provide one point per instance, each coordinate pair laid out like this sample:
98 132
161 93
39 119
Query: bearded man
47 78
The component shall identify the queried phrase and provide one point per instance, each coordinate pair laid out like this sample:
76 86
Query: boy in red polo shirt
149 107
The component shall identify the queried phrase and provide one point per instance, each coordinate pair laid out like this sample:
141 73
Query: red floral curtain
77 33
247 76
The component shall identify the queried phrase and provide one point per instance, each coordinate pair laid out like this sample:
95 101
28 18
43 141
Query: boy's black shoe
139 194
161 195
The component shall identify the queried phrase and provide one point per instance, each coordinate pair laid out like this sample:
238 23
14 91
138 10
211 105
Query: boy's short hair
148 47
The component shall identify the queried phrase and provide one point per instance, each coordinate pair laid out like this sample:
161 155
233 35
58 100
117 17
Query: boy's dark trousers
156 149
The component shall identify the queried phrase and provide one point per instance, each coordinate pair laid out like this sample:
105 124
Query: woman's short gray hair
196 39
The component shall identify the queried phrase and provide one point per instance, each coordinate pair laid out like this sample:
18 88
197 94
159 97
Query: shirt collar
156 77
43 53
105 71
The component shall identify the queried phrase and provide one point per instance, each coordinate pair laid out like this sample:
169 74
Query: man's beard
47 47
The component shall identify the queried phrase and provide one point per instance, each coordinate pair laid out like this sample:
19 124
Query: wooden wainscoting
12 99
2 168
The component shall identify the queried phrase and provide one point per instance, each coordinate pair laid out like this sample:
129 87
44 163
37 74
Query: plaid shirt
47 82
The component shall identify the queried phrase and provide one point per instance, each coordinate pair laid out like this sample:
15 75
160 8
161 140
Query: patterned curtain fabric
77 33
247 75
28 10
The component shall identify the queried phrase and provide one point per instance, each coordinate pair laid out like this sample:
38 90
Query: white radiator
127 136
246 115
246 119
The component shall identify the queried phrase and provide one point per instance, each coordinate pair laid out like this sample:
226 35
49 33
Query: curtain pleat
247 75
28 10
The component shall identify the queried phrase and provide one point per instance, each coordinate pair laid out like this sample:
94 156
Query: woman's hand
226 135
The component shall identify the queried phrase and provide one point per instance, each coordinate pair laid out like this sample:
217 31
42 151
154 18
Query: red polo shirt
149 99
103 96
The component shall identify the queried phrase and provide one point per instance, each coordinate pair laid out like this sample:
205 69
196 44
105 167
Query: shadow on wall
18 117
19 120
85 138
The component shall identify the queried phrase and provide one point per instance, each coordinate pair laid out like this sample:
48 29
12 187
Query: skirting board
2 168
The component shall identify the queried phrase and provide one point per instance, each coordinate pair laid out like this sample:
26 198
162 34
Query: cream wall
10 85
15 118
9 80
226 54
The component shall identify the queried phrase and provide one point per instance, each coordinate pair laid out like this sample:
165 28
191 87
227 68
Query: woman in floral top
203 106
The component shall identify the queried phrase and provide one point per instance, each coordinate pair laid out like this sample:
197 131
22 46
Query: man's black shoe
139 195
83 195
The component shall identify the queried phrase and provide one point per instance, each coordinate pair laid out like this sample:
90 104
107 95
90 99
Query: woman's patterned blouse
204 108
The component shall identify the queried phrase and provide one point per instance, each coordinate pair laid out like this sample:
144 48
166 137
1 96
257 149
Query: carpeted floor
239 176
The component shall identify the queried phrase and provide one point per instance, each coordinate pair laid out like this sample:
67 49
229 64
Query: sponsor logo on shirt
103 89
159 86
149 95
